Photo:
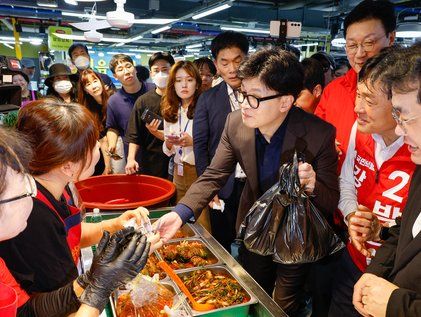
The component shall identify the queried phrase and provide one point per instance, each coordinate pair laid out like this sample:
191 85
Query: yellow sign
56 43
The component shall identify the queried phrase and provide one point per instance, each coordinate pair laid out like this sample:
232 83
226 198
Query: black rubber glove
122 236
119 263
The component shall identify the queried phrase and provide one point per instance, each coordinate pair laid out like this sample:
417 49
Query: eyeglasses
30 187
253 101
396 114
367 45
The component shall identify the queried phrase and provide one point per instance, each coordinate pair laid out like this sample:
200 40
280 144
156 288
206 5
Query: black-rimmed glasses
30 187
253 101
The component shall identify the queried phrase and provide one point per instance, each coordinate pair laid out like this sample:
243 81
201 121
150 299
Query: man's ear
317 91
216 66
286 103
392 37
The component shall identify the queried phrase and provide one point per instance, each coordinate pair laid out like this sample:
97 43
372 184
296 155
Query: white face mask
160 80
62 86
81 62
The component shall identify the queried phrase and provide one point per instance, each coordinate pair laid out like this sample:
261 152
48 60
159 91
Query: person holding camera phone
178 106
144 130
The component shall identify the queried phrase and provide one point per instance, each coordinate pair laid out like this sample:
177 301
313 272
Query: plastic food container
122 192
239 310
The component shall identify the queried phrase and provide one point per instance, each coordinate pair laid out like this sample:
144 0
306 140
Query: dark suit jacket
305 133
210 115
399 258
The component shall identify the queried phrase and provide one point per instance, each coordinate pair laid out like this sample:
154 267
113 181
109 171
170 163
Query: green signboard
57 43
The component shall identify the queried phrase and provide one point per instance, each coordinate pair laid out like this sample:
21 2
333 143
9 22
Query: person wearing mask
79 55
178 105
94 95
368 28
22 80
28 67
46 255
228 49
261 137
390 287
374 180
146 139
207 71
61 83
313 85
120 104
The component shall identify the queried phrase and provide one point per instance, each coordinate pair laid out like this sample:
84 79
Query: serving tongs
167 269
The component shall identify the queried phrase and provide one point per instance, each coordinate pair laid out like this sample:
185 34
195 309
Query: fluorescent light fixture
36 42
244 30
305 44
115 53
211 11
410 34
82 38
164 28
139 50
123 42
11 39
101 54
193 49
409 30
194 45
82 15
154 21
71 2
9 46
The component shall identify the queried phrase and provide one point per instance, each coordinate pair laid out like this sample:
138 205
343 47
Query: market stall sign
56 43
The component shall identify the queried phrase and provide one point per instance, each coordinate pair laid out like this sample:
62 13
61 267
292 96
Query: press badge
180 171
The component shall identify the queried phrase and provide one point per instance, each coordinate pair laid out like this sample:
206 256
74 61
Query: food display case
255 300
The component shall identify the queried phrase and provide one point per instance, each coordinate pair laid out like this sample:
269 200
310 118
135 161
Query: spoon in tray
196 306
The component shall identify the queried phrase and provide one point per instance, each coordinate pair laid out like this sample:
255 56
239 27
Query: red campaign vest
72 224
384 190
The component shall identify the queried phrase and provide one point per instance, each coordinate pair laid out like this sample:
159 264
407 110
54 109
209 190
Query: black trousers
288 281
347 274
223 223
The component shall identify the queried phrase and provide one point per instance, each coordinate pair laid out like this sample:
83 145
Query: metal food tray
186 229
217 260
239 310
168 284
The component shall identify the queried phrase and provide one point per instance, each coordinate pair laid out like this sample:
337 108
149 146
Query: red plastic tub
121 192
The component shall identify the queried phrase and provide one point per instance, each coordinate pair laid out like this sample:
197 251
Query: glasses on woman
253 101
367 45
403 123
30 188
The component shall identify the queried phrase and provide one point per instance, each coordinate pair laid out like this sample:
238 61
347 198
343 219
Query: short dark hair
117 59
142 72
372 9
278 69
327 61
404 71
377 65
313 73
161 55
204 60
76 45
229 39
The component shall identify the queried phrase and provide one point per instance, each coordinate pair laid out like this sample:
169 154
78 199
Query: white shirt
239 173
416 228
187 155
348 201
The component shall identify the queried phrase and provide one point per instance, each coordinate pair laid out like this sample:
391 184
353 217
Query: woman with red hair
93 94
45 256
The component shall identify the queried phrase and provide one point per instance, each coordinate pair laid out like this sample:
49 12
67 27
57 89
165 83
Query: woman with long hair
93 94
177 108
15 208
63 137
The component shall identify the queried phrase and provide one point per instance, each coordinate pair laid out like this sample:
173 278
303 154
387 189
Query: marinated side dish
180 255
153 307
219 289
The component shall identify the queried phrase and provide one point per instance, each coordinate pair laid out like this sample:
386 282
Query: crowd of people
220 129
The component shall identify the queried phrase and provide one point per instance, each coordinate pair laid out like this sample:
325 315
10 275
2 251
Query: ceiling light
129 40
139 50
211 11
244 30
9 46
154 21
82 38
82 15
71 2
47 3
194 45
11 39
164 28
36 42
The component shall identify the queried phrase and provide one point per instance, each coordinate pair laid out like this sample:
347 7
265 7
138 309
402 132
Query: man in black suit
228 50
261 136
392 285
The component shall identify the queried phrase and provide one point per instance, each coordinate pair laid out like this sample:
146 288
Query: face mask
160 80
62 86
81 62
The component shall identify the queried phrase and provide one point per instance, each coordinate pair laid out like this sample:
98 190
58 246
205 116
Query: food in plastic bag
284 223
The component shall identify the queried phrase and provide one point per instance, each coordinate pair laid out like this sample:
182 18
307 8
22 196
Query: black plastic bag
284 223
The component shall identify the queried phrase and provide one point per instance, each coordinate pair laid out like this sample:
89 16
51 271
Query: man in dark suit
392 285
264 134
228 50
